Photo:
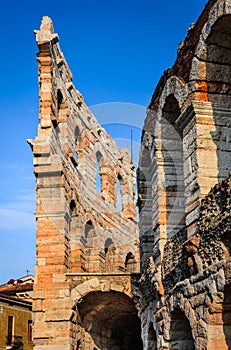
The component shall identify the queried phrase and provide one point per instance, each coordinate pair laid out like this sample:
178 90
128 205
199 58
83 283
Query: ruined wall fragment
79 229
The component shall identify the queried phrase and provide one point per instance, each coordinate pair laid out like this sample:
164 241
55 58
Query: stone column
206 153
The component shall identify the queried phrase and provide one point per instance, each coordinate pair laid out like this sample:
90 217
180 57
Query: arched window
152 341
59 99
173 172
71 230
108 245
60 107
119 205
99 161
111 258
76 143
72 221
91 248
76 263
218 68
130 262
89 231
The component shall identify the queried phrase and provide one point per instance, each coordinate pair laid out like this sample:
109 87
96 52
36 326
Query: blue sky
117 52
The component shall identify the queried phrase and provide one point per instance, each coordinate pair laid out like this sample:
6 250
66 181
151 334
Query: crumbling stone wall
192 310
79 229
185 227
86 281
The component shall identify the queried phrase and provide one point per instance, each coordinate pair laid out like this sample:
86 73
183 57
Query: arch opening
111 257
180 332
119 205
76 144
59 99
89 231
60 109
93 260
77 259
99 161
152 340
226 316
146 205
218 53
71 231
226 244
173 172
130 263
108 245
218 89
110 321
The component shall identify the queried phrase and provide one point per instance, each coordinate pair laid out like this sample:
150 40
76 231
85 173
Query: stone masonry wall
79 229
199 288
184 225
88 293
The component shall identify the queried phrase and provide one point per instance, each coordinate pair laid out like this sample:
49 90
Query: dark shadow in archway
130 263
111 321
218 83
180 332
172 153
152 340
226 315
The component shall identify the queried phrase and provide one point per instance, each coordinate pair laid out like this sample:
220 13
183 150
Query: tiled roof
11 289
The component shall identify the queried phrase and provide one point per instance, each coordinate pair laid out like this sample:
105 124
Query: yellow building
16 314
15 323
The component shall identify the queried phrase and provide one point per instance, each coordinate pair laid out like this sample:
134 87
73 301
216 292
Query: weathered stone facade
87 249
88 292
185 226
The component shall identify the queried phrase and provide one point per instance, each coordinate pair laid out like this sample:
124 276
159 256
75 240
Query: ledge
70 274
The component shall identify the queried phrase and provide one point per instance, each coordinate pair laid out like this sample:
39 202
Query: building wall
185 227
22 314
80 231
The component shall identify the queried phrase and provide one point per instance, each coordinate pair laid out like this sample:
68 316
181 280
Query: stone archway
172 167
109 321
180 331
152 340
